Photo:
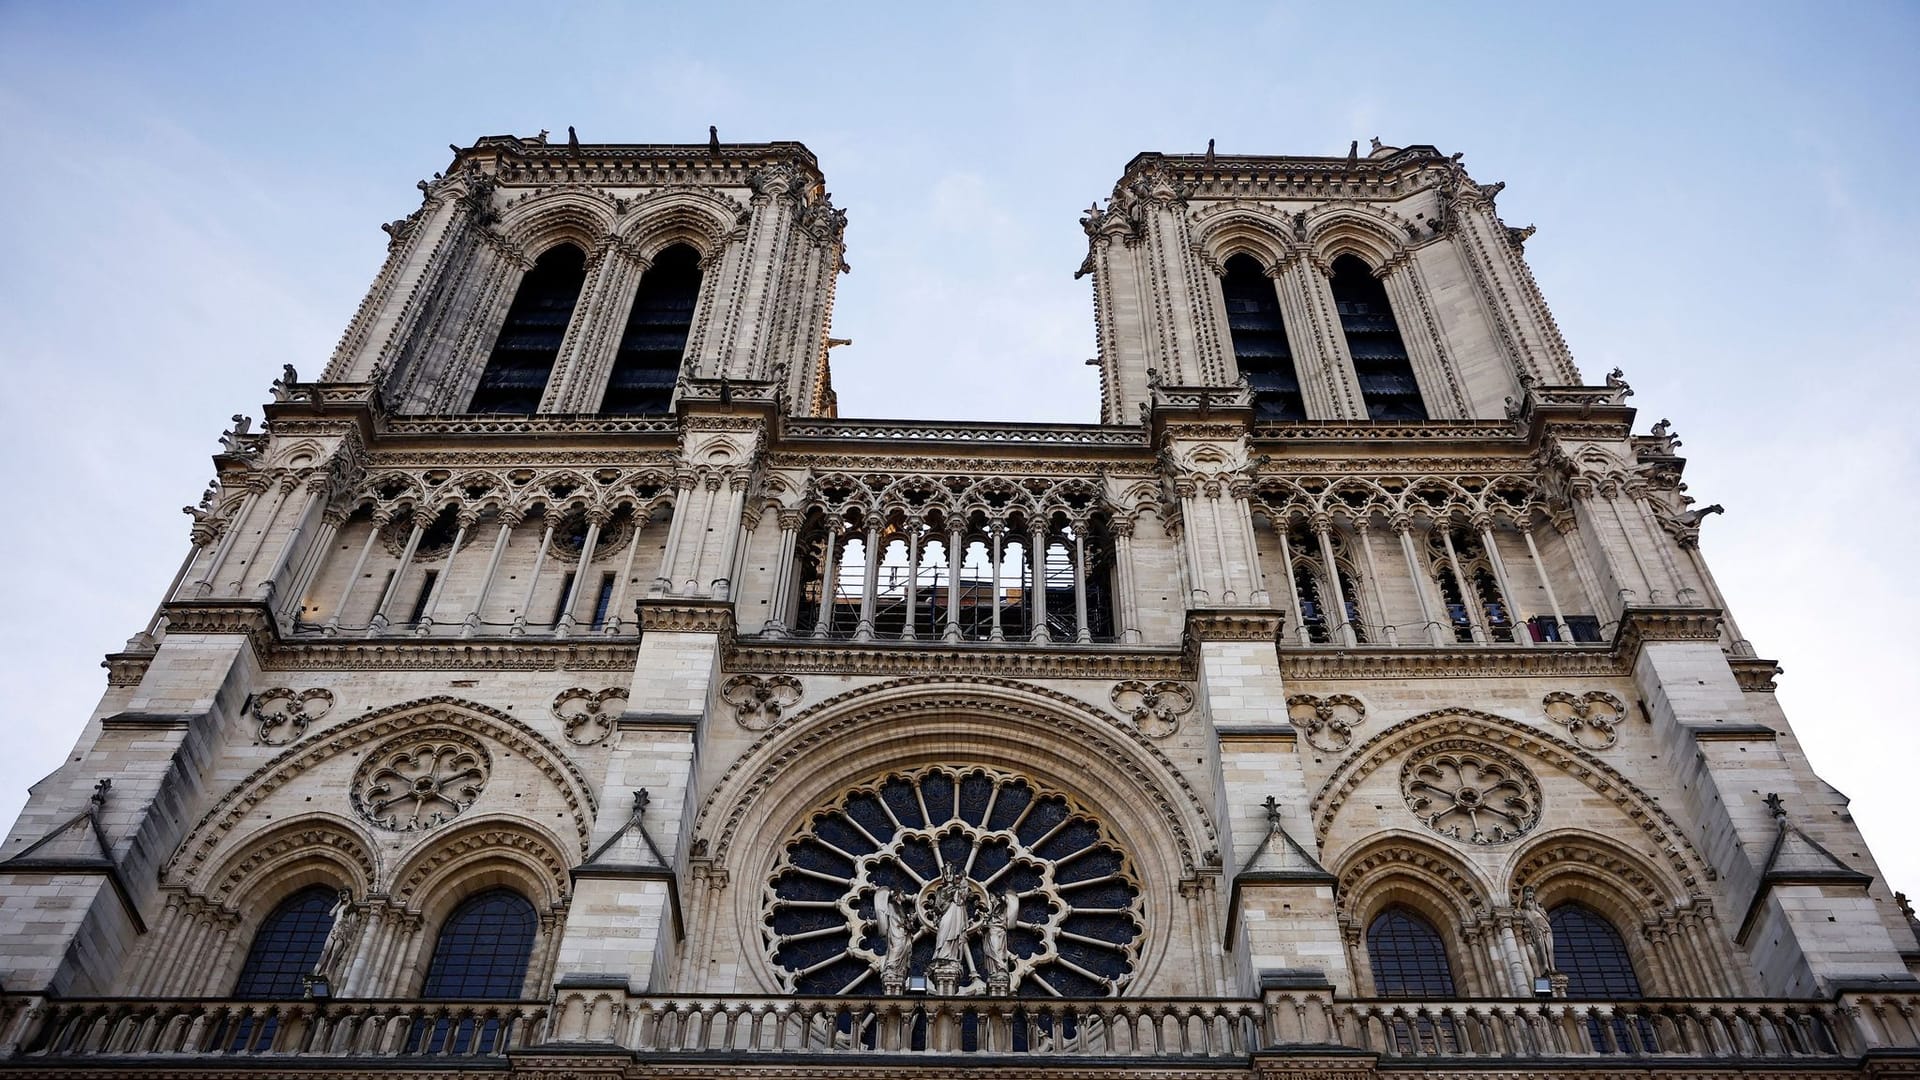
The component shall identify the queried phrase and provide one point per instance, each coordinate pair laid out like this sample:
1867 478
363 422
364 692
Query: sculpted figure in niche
953 898
1539 932
1004 912
333 951
895 918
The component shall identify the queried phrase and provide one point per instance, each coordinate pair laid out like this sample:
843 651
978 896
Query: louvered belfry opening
529 343
1373 339
1260 341
655 337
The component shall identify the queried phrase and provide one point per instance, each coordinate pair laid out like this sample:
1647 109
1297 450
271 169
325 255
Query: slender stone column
721 588
377 522
1469 596
1553 599
471 624
912 526
1364 527
829 569
869 581
1242 494
421 519
700 537
519 627
995 531
1037 603
331 518
1081 632
1228 594
776 624
280 492
1515 619
1566 524
1129 604
463 521
1300 630
257 485
1196 583
684 486
1612 497
1402 525
956 554
1661 543
317 490
619 600
1323 530
563 627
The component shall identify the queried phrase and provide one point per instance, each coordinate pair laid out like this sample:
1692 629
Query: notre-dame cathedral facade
556 685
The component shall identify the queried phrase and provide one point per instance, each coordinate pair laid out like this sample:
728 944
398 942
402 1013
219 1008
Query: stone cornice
1467 662
1756 676
1233 624
670 614
800 656
1641 625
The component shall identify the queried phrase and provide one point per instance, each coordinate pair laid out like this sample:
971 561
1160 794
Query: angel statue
1002 913
895 918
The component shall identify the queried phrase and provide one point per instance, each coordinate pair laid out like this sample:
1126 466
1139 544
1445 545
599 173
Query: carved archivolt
304 841
393 722
484 847
1152 780
1504 497
1592 718
1438 874
283 714
589 716
1328 721
1492 732
1154 707
1637 887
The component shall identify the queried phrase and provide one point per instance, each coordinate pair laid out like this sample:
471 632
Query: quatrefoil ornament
1155 707
1592 718
283 713
758 703
1328 721
589 716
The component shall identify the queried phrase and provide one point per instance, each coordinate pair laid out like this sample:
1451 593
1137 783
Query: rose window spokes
971 879
418 784
1470 793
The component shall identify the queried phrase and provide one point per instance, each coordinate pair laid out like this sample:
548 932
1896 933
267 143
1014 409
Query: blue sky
193 194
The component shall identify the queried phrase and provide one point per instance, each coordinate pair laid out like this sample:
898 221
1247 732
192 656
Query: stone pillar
519 627
1546 581
1303 635
1037 601
869 580
1124 589
776 624
463 521
1343 630
1515 617
563 627
471 624
421 519
376 523
1402 525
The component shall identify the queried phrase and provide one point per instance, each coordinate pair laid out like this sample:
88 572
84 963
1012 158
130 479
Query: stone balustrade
1287 1021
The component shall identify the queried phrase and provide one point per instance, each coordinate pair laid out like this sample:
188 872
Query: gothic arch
325 848
544 220
486 853
1400 870
1659 829
213 828
698 219
1575 864
1225 230
1374 236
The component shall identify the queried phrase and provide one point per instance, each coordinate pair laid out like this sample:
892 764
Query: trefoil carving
588 716
1592 718
1154 707
1327 721
758 701
283 714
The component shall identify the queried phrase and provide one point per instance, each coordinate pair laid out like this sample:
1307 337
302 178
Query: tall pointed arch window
1260 341
1591 954
483 948
523 355
1407 956
648 362
287 946
1373 339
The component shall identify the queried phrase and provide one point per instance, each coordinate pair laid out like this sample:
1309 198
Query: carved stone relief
1592 718
758 701
1155 707
589 716
417 783
1470 792
283 714
1327 721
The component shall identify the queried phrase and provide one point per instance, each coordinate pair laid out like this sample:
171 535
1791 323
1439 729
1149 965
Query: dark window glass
483 948
1408 957
287 946
648 363
604 598
1373 338
522 359
1589 952
1260 341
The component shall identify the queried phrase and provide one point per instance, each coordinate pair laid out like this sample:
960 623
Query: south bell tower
558 679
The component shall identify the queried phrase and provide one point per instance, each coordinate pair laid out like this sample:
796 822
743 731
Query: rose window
419 783
962 880
1470 792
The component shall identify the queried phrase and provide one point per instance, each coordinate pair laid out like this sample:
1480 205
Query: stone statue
1001 915
952 898
339 936
230 439
895 918
1539 932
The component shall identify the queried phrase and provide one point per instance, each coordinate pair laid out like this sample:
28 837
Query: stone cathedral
558 686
